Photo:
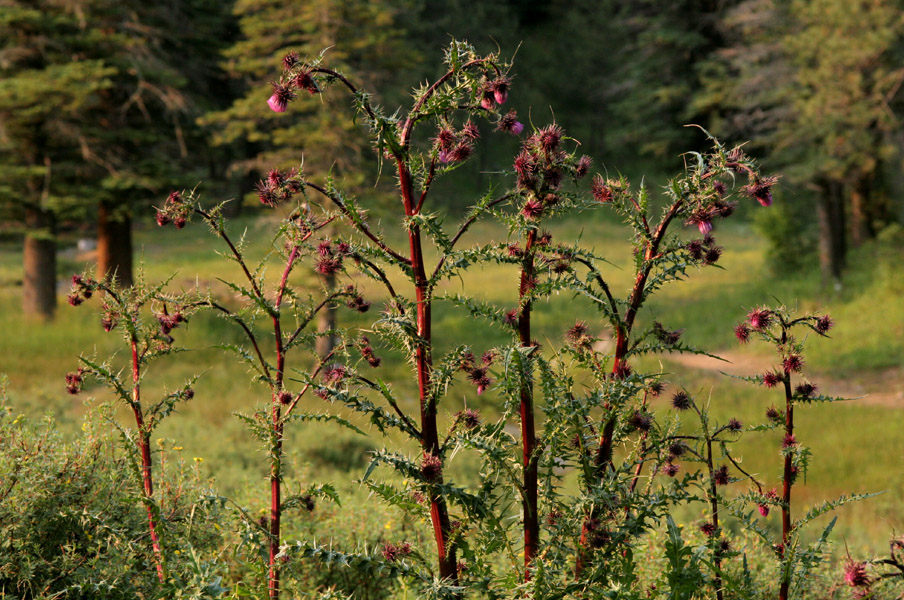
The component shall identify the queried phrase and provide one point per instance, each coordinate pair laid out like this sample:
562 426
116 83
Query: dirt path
882 388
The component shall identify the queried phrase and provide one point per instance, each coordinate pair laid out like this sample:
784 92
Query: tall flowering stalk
473 85
287 326
778 327
128 309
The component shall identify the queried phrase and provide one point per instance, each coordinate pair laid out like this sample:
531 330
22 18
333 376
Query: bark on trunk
861 229
39 265
114 245
832 246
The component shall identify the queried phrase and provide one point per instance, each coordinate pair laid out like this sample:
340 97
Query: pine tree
816 81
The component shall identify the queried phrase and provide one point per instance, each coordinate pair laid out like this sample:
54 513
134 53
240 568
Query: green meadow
858 445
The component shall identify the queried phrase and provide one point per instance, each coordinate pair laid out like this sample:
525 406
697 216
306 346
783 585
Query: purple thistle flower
461 152
793 362
532 209
789 440
582 167
509 123
305 81
771 379
734 425
487 100
641 421
742 332
500 89
759 318
469 417
549 138
823 324
712 255
290 60
708 529
855 574
671 469
719 188
431 467
444 139
761 189
282 95
511 318
471 131
774 415
601 192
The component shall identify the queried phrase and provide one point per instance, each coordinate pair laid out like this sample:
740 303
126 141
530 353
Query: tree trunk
860 210
832 246
114 245
326 320
39 264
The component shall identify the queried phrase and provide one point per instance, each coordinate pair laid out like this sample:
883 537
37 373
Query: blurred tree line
107 104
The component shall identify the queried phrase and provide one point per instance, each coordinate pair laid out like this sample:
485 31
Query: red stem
144 447
423 359
786 483
528 430
276 452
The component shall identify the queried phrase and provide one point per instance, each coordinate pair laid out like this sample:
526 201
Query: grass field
858 446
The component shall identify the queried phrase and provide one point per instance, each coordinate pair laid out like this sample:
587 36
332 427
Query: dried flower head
734 425
681 400
720 475
671 469
805 389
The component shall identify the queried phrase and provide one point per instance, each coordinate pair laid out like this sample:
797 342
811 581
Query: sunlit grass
856 447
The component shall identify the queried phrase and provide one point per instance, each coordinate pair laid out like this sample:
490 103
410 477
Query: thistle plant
147 316
473 88
780 328
288 315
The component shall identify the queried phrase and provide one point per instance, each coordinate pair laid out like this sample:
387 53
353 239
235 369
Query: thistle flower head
671 469
641 421
677 449
719 188
444 139
789 440
734 425
500 88
720 475
759 318
805 389
469 417
708 529
742 332
761 189
600 190
431 467
290 60
793 362
304 80
532 209
470 131
823 324
582 167
771 379
282 95
855 574
774 415
681 400
549 138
